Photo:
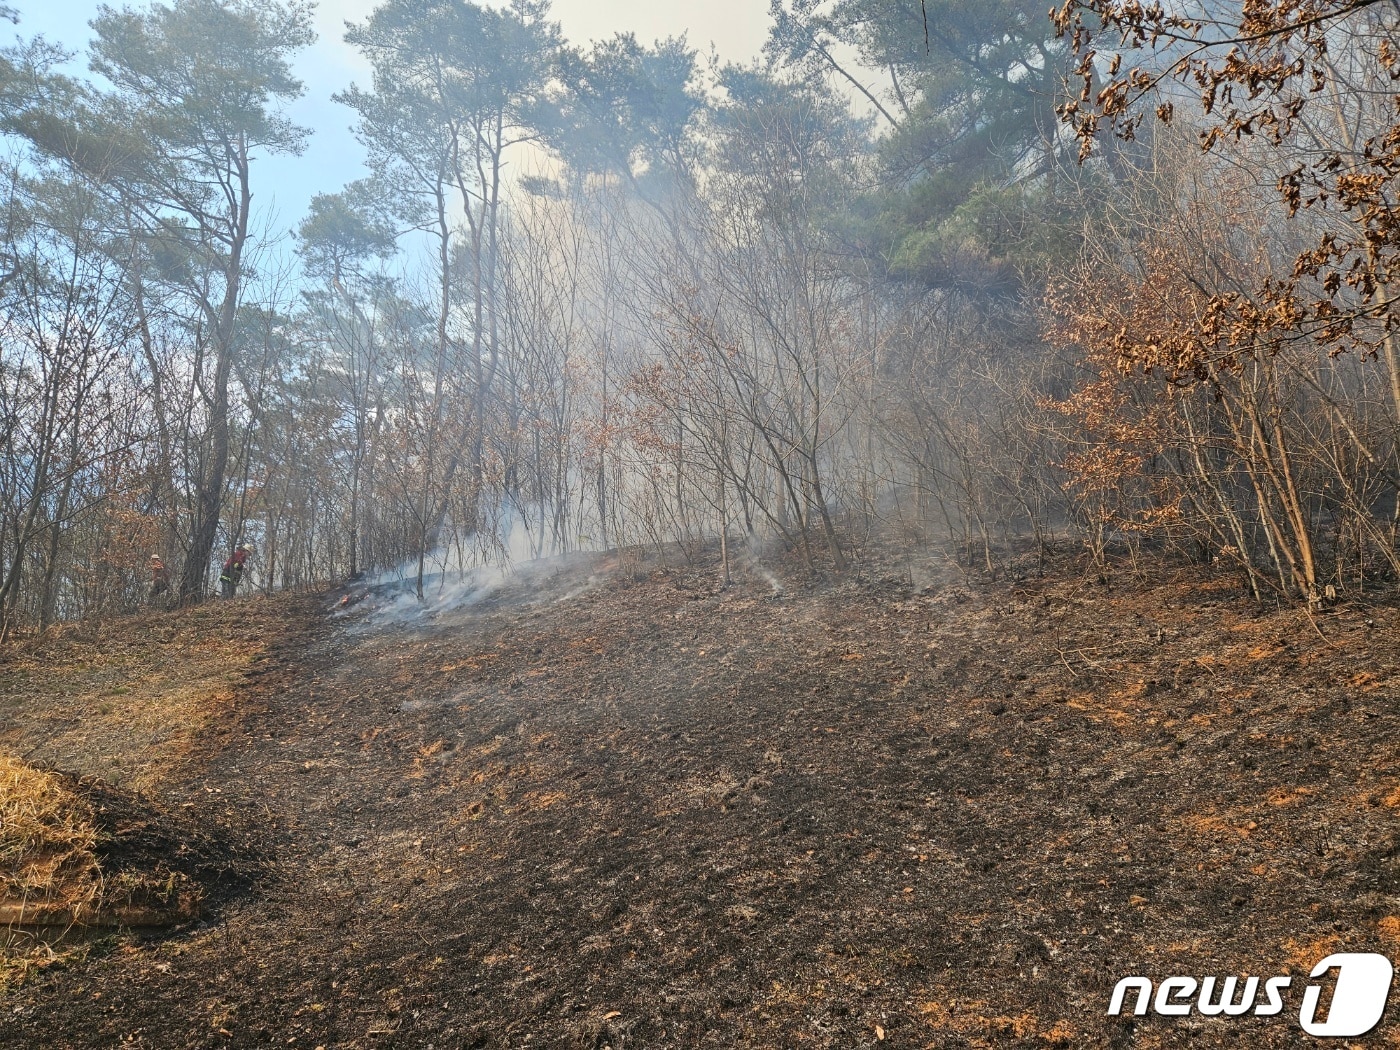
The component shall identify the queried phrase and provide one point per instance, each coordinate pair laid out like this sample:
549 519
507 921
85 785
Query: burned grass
855 813
79 855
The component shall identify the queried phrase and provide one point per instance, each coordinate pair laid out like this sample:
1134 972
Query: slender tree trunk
209 494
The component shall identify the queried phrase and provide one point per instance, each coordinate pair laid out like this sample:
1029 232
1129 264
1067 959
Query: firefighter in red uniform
233 570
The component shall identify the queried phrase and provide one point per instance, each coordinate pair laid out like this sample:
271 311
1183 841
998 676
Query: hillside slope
578 809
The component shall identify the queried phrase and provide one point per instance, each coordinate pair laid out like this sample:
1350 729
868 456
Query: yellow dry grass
129 700
54 895
47 841
1390 927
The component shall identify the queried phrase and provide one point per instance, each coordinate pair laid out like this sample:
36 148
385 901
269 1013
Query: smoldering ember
810 523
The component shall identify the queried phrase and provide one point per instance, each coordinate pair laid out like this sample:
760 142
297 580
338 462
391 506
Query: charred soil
588 809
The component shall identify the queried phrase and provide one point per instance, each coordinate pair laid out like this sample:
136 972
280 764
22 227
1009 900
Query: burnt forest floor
588 808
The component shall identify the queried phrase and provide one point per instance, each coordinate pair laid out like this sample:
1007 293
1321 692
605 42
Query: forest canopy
963 275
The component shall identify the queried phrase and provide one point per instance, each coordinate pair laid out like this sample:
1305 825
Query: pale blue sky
737 28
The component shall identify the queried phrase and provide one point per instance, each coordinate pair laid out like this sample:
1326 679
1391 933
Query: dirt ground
591 809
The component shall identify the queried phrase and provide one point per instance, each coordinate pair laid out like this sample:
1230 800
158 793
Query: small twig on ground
1066 662
1307 611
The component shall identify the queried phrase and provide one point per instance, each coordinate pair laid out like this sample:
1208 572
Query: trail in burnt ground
650 813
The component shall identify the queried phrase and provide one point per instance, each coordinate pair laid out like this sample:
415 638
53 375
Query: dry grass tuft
51 882
48 837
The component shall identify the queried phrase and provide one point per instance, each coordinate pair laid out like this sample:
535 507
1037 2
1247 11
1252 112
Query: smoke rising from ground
504 570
